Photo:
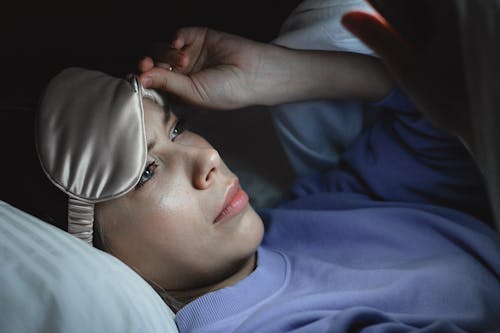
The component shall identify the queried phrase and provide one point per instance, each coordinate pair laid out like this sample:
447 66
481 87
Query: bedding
53 282
316 25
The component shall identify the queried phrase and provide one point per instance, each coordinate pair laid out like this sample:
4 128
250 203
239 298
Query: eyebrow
166 118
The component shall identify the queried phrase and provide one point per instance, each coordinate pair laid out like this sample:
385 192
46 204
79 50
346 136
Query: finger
378 34
145 64
171 82
162 53
184 37
177 43
165 66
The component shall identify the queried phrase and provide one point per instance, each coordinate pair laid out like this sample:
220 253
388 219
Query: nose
207 162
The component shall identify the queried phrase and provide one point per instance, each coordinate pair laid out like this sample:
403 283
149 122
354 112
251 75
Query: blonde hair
153 95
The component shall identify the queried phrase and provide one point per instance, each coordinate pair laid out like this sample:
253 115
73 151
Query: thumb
378 34
174 83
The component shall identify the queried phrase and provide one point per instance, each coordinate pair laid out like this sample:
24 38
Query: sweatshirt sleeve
356 319
403 158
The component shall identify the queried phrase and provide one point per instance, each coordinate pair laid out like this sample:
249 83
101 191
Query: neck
188 295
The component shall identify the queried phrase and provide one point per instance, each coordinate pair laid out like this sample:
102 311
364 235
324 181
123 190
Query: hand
419 42
210 68
216 70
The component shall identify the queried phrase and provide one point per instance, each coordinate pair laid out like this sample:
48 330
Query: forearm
287 75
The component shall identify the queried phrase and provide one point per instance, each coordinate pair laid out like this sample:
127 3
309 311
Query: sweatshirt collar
269 277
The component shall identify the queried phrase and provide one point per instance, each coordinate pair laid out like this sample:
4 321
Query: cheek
170 214
146 233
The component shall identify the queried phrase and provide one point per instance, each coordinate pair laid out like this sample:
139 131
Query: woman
389 241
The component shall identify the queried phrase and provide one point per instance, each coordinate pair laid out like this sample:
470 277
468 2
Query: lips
236 200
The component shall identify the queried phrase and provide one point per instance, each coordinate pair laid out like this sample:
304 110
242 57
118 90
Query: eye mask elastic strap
80 219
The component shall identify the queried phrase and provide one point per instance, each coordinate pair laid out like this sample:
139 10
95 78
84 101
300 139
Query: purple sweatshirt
392 241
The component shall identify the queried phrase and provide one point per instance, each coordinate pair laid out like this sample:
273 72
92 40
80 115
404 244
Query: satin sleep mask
91 141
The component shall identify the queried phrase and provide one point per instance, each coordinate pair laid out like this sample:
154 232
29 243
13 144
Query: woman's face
187 224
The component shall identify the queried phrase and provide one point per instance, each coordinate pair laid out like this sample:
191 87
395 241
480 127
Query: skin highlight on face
187 227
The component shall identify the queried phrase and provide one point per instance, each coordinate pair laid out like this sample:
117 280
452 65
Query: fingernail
146 81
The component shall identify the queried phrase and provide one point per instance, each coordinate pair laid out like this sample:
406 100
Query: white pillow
316 24
53 282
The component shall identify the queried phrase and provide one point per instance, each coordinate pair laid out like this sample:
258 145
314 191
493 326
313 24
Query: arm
305 75
218 70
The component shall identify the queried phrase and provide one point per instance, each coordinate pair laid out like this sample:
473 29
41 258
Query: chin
255 226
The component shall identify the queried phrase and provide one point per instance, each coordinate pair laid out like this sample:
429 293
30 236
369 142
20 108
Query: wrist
272 79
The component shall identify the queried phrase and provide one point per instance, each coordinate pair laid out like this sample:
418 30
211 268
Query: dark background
40 38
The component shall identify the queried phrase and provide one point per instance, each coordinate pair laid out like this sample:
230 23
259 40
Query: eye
147 174
177 129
